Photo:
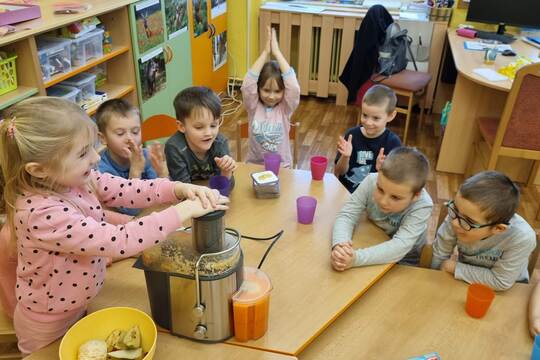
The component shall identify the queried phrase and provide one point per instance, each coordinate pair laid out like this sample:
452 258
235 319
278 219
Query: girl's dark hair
270 70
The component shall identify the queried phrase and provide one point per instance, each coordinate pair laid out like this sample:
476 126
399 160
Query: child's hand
157 158
343 256
274 43
193 208
449 266
209 198
345 147
380 159
267 46
226 164
534 326
136 159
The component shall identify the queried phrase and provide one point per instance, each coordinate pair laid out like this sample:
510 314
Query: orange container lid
255 286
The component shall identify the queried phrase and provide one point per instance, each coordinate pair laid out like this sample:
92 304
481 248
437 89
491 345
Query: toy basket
8 75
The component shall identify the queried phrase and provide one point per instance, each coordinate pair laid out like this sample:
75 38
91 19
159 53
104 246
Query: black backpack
393 52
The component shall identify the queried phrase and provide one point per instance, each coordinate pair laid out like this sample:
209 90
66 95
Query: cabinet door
165 68
208 25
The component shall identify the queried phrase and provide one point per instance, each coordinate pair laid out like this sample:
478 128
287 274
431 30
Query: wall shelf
114 91
116 51
12 97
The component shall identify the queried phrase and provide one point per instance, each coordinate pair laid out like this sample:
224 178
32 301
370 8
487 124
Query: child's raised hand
226 164
267 46
157 158
136 159
192 208
274 43
345 147
343 256
380 159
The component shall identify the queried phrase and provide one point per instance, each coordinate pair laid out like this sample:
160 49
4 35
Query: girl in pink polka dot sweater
61 234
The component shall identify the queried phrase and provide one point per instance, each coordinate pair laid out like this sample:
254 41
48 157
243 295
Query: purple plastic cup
272 162
221 184
305 205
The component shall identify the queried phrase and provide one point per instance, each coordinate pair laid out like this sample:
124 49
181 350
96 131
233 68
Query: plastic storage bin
88 46
8 75
69 93
54 56
85 82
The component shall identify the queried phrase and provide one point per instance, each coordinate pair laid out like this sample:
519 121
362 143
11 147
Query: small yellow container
98 325
8 75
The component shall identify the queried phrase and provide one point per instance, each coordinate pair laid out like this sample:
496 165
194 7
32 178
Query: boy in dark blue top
363 148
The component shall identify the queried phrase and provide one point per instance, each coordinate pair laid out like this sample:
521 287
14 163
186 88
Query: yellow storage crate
8 75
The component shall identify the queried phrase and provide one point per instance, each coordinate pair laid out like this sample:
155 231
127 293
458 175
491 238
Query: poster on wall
176 17
152 73
219 50
149 24
200 17
218 7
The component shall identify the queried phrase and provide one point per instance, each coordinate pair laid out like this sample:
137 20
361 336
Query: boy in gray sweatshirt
493 242
396 201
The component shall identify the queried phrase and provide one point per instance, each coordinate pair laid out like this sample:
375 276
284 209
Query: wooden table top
125 287
468 60
415 311
308 294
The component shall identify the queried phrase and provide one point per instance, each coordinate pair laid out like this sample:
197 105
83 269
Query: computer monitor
525 13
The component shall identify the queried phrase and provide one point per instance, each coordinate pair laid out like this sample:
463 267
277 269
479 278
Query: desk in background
473 97
415 311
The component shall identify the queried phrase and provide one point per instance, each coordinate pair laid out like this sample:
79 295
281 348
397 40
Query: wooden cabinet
120 69
208 33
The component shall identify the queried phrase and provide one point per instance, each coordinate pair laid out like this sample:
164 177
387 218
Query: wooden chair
242 132
412 85
8 340
433 226
158 127
517 132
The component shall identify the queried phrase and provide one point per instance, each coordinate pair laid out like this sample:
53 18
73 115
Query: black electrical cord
275 237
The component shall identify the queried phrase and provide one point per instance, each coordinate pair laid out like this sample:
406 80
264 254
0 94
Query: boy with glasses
493 242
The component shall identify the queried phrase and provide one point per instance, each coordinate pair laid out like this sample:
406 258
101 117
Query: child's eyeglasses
463 222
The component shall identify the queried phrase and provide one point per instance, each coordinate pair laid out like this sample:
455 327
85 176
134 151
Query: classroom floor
321 122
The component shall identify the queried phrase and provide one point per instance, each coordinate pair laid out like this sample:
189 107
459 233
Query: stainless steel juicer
191 277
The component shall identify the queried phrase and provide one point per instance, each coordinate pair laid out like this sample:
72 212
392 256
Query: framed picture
219 50
149 24
152 73
218 7
200 17
176 18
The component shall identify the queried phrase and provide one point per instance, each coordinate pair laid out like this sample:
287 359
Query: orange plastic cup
251 305
479 298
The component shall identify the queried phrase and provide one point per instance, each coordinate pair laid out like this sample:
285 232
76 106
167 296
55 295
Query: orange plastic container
479 298
251 305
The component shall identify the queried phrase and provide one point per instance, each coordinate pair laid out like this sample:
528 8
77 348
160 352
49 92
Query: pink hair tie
10 127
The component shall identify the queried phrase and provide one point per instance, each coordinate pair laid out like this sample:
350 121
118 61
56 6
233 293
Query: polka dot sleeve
62 228
114 191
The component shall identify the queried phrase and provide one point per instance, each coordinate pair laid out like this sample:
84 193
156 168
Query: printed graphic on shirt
483 257
201 171
362 157
268 134
357 174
